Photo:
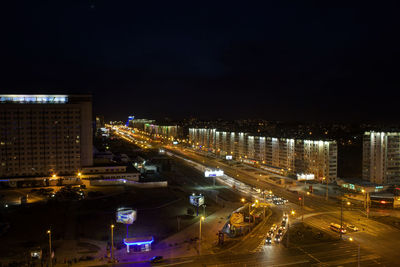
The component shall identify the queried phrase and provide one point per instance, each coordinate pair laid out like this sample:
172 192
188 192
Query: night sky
207 60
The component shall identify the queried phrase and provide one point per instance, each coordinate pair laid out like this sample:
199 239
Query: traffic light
299 198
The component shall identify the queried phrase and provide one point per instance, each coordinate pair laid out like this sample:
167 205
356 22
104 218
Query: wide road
373 236
377 241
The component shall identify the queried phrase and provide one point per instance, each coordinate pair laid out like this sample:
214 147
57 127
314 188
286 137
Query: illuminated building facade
165 131
140 123
381 157
281 154
43 135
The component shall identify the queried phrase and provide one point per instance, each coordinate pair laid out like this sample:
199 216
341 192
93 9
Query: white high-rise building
381 157
289 155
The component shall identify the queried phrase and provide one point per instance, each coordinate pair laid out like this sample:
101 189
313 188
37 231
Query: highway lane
313 204
328 254
373 236
369 238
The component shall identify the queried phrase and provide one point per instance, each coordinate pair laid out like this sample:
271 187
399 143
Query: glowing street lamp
112 242
358 251
201 219
293 212
50 260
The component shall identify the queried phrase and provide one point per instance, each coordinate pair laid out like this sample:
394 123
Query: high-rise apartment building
43 135
381 157
295 156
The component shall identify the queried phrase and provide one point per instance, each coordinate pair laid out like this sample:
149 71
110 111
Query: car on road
277 238
156 259
268 240
352 227
285 200
271 232
283 224
269 199
280 232
278 202
285 216
274 227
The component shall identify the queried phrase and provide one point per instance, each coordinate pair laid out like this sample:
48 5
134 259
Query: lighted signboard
236 218
41 99
228 157
305 176
130 118
126 215
213 173
196 201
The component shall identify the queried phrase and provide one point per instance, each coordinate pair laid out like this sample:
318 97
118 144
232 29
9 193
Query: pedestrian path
185 243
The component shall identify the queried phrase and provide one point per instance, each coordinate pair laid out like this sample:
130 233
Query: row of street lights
112 244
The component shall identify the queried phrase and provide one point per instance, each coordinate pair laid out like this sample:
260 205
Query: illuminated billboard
228 157
42 99
126 215
196 201
213 173
305 176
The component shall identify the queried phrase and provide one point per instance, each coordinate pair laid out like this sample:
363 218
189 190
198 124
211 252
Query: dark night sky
207 60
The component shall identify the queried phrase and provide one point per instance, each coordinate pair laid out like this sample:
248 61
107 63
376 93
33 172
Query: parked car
156 259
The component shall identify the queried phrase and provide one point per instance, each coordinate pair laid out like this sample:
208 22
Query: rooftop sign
35 99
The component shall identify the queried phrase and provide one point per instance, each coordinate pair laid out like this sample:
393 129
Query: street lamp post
201 219
327 190
243 200
50 259
341 217
358 251
366 204
302 206
348 203
112 242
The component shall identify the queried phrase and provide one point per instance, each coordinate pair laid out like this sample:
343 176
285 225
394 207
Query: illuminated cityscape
194 135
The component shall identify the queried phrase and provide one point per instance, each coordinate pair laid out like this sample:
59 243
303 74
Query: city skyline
199 134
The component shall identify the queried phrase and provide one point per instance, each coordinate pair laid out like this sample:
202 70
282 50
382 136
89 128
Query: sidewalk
181 244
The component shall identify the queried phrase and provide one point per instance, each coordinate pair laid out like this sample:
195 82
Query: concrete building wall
381 157
45 135
293 156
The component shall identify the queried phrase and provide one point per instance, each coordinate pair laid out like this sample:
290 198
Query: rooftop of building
44 98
